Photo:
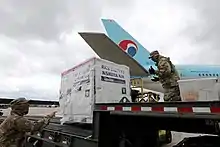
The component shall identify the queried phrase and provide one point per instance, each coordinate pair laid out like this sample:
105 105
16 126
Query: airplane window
206 74
203 75
217 75
210 74
214 75
199 74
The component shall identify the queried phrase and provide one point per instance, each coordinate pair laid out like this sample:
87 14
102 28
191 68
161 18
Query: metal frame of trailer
131 124
62 136
137 122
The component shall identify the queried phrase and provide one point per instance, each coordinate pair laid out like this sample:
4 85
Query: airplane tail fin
127 43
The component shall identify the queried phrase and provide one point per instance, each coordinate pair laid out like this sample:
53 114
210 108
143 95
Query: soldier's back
9 135
171 79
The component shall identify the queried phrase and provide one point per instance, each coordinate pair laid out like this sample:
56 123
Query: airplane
120 47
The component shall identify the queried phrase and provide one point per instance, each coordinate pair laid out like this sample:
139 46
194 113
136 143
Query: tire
168 137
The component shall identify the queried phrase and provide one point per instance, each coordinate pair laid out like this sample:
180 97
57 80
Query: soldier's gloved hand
155 79
151 70
52 114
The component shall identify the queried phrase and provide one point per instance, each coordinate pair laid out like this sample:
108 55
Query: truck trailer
131 125
98 111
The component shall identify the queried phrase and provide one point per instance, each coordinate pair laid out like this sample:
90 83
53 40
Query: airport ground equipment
143 96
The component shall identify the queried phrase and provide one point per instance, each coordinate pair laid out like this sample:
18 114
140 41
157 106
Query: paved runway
37 111
42 111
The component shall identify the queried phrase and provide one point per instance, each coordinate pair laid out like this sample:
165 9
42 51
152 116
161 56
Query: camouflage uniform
167 75
14 127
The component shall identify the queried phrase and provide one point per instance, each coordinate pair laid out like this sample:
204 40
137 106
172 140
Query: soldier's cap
153 53
19 101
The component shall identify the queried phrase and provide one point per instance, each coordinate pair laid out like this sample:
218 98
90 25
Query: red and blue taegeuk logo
129 47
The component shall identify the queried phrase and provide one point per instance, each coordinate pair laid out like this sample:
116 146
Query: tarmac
37 111
42 111
178 136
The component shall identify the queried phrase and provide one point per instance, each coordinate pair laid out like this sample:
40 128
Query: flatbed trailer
131 125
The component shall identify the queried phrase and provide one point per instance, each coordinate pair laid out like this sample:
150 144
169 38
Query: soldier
167 75
14 127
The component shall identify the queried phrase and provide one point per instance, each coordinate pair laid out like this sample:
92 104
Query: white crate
201 89
94 81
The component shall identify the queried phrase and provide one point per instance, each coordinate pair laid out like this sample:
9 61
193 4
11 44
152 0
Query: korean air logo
129 47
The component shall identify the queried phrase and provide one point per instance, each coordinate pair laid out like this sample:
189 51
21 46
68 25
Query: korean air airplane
120 47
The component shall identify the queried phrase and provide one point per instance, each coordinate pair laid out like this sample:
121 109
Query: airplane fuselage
185 72
195 71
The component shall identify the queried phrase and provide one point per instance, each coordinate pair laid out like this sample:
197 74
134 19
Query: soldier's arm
26 125
164 68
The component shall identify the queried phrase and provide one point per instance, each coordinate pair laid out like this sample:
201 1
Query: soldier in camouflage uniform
14 127
167 75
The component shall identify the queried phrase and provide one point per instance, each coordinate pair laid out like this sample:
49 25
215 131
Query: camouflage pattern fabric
14 127
168 77
172 94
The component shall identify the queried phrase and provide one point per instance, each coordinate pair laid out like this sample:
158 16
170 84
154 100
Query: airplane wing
106 49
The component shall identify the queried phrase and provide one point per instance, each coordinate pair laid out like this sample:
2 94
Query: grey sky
39 38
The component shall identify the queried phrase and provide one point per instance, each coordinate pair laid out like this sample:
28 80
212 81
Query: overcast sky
39 38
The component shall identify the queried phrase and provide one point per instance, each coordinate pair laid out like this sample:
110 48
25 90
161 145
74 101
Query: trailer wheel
168 137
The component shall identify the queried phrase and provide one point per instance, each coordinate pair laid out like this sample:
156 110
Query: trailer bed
74 129
63 135
137 121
